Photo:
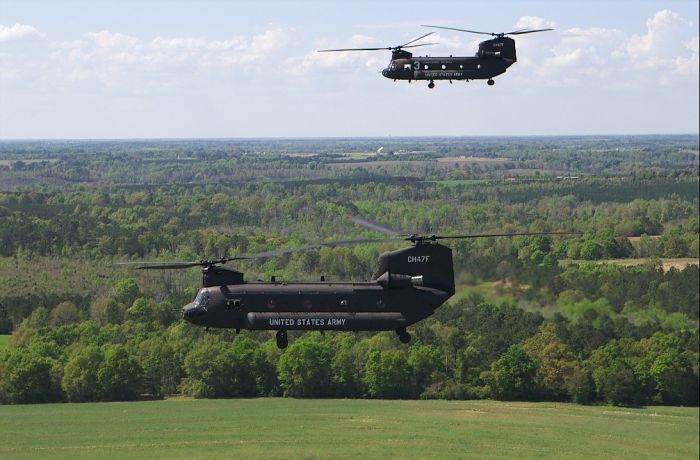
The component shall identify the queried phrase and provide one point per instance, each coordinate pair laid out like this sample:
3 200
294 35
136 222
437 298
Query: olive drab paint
493 58
409 284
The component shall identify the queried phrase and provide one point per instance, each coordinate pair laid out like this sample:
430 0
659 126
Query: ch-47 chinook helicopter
493 58
409 284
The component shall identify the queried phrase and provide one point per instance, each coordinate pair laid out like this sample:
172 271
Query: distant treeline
131 348
225 161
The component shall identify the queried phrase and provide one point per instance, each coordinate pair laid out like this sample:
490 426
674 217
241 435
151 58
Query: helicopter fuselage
445 68
493 58
409 284
366 306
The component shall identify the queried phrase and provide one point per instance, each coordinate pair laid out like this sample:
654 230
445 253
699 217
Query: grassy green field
3 340
275 428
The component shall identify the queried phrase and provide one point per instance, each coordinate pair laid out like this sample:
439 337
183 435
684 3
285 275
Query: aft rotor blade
515 32
374 226
520 32
491 235
279 252
415 40
459 30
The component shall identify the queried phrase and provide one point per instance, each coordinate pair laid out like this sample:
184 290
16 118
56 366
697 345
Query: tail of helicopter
499 47
431 261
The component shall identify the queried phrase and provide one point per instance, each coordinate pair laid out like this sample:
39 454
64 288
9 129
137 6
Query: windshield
202 298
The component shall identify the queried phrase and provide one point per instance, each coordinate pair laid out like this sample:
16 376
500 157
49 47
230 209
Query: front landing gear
282 340
490 82
431 85
404 336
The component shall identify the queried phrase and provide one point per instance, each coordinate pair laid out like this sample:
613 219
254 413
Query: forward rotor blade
460 30
354 49
416 46
356 241
415 40
405 45
164 265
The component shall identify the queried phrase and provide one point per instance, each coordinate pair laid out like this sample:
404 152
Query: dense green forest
608 316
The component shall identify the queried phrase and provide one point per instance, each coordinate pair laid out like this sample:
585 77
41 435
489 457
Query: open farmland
291 428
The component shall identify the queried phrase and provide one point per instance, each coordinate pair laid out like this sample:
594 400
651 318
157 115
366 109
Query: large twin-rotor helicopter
493 58
408 286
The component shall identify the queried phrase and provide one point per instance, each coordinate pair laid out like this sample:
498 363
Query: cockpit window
202 298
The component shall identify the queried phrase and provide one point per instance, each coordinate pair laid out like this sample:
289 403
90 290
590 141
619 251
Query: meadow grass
4 338
293 428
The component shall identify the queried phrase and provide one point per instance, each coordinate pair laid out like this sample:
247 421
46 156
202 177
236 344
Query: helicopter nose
190 312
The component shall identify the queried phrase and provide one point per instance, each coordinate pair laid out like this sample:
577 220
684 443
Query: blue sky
108 69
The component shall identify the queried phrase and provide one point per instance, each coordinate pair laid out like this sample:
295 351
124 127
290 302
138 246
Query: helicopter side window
202 298
407 67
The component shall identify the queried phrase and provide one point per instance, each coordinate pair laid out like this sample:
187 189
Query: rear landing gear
490 82
431 85
282 341
404 336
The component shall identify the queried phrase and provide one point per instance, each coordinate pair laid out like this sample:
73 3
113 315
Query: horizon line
257 138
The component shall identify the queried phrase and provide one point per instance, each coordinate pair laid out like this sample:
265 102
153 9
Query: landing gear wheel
490 82
282 341
431 85
404 336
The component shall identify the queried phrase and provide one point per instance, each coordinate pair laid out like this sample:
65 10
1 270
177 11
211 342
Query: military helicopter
493 58
409 284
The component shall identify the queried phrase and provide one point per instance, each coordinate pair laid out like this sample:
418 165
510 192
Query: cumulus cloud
534 22
18 32
668 50
341 61
665 31
118 59
110 40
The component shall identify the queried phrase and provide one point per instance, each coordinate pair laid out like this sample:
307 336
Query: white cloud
664 30
668 51
118 60
273 82
110 40
693 44
18 32
665 49
340 61
534 22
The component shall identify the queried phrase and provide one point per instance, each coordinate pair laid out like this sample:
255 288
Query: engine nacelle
395 280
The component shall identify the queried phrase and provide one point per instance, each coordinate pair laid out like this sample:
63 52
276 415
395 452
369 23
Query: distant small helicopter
492 59
409 284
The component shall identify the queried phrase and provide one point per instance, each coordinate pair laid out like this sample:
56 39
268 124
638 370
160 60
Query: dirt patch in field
666 264
466 159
